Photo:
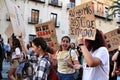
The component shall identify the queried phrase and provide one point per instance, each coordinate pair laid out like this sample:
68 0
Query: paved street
6 66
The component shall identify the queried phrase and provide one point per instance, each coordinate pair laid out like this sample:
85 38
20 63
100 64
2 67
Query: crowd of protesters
88 60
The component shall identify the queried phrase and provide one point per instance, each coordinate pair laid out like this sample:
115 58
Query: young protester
8 51
116 59
67 60
73 47
96 57
19 69
43 66
16 55
1 55
29 47
77 72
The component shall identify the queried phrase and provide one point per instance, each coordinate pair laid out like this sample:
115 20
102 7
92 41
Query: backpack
53 74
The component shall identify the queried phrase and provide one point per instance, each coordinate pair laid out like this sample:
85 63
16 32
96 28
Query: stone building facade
38 11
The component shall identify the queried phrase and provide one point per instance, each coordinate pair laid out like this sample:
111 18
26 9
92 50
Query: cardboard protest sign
10 41
9 31
16 18
24 50
47 30
113 39
82 21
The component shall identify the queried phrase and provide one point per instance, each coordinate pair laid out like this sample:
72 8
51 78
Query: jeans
66 76
118 77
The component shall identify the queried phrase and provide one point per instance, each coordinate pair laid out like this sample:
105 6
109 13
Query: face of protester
65 43
35 49
72 45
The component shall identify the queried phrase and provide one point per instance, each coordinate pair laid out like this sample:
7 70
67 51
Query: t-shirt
8 47
100 72
17 52
62 56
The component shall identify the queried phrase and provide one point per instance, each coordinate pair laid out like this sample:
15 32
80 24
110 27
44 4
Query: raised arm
114 58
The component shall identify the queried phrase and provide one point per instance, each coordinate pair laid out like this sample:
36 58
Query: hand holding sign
81 39
82 21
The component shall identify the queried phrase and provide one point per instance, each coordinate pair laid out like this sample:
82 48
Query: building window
72 2
54 1
31 37
54 17
35 15
34 19
100 8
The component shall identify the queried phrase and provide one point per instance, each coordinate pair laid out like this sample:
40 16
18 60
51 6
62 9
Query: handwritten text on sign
82 21
47 30
113 39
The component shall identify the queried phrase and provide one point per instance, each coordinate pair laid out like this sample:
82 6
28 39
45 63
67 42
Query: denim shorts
20 68
66 76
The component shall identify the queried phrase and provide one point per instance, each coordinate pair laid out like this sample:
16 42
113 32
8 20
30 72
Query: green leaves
115 8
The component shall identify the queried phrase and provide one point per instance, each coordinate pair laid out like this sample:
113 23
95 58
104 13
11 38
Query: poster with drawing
113 39
47 30
82 21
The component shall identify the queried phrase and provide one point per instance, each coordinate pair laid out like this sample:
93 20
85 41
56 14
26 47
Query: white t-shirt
17 52
100 72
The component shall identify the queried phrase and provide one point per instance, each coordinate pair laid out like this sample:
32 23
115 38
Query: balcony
31 21
40 1
55 3
101 11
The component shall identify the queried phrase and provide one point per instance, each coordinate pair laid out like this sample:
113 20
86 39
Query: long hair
40 41
99 41
73 45
15 44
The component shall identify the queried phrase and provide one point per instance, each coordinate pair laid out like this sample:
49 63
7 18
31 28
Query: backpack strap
71 56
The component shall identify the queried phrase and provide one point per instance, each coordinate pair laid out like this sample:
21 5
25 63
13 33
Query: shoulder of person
72 50
46 56
103 48
17 48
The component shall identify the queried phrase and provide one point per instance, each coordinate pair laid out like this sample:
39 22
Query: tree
115 8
